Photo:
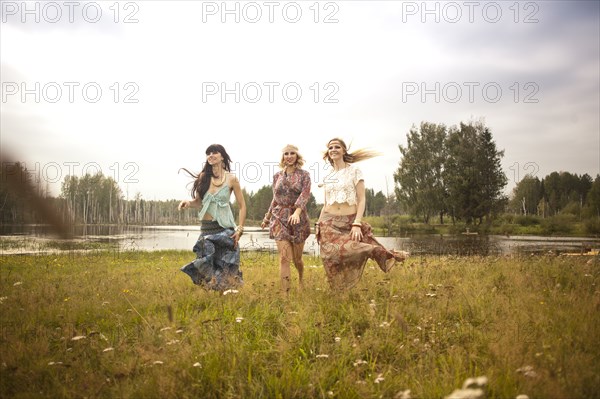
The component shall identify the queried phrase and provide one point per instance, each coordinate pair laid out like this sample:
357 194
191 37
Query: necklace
221 183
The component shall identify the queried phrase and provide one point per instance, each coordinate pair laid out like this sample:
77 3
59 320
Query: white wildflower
359 362
173 341
379 378
322 356
77 338
330 393
466 394
403 395
384 324
478 382
17 283
527 371
54 363
157 362
109 349
197 364
165 328
522 396
337 339
239 319
179 331
431 295
361 382
3 298
227 292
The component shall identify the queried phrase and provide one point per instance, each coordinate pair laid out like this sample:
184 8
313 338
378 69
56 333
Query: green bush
527 220
563 224
592 226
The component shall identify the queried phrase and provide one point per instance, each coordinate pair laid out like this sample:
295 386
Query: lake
254 239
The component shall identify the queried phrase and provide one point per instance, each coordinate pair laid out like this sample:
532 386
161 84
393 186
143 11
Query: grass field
131 325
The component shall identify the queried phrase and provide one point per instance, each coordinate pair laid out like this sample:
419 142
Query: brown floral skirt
343 258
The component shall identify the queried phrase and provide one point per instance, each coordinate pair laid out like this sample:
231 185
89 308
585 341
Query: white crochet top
340 186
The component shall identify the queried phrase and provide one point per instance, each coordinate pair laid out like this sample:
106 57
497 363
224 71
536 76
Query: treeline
555 194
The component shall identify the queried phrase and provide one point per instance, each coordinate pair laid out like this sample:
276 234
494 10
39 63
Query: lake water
254 239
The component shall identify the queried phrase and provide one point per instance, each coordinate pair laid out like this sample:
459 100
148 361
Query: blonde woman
287 217
346 242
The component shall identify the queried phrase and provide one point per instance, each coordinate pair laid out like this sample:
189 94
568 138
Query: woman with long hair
217 263
346 242
287 217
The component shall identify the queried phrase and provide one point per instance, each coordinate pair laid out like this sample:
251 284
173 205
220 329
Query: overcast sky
139 89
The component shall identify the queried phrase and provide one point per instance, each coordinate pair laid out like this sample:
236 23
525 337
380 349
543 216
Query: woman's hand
236 238
183 204
264 223
295 217
356 233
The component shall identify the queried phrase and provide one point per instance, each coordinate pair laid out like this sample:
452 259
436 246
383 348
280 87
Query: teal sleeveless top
217 205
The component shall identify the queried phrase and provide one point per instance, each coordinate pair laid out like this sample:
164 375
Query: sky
139 89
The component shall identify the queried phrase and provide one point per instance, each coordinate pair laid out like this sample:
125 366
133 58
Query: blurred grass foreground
131 325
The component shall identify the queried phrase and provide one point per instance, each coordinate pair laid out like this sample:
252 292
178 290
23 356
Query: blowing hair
350 157
202 179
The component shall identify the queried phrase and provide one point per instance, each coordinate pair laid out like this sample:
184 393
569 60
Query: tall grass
132 325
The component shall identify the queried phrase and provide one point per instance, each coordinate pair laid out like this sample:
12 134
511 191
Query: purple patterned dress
290 191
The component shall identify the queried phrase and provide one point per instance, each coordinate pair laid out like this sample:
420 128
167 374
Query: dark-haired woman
346 242
217 263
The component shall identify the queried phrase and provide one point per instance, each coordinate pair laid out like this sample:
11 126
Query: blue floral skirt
217 263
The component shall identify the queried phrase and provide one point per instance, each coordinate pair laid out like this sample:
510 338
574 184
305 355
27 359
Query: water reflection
256 240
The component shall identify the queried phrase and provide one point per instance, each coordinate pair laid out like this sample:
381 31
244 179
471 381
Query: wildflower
403 395
522 397
77 338
337 339
239 319
330 393
384 324
359 362
479 382
17 284
165 329
54 363
179 331
109 349
527 371
322 356
466 394
227 292
197 364
379 378
361 382
157 362
173 341
2 299
431 295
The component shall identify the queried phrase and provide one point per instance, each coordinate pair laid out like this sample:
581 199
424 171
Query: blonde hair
350 157
299 157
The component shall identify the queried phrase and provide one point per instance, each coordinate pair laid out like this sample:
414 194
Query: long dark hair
202 179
